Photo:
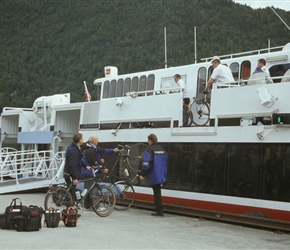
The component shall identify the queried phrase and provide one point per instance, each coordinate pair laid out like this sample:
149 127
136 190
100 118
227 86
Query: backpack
70 216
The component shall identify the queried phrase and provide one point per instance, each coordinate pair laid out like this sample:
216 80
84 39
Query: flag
87 95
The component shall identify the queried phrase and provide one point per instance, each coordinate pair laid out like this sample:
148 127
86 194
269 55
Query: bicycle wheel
200 113
103 200
135 156
125 195
59 197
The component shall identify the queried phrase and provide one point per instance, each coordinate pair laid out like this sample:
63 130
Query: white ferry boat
233 158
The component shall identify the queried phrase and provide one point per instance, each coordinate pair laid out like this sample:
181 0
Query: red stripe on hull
219 207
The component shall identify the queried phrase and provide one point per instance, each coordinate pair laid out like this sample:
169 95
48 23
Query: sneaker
101 209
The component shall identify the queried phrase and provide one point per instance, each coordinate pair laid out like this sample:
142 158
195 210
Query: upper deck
251 110
131 102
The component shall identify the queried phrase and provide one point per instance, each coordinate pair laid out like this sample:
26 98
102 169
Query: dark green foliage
51 46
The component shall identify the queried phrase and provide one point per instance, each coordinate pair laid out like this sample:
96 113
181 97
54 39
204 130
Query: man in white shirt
261 67
220 74
180 83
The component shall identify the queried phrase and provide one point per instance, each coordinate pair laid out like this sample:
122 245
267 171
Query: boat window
278 70
119 89
276 172
245 70
235 70
106 89
142 83
210 70
167 83
197 167
201 82
243 170
112 91
127 86
98 91
135 82
150 84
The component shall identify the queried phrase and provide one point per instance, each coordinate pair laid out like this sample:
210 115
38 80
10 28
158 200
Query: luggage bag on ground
30 219
11 212
70 217
51 217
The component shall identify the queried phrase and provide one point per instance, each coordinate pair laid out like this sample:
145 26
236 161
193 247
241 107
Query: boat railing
27 164
162 91
227 85
252 81
251 52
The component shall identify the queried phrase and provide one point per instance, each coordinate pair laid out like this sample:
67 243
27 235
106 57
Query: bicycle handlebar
96 169
121 147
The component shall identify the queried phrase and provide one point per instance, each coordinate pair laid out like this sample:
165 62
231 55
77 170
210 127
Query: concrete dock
137 229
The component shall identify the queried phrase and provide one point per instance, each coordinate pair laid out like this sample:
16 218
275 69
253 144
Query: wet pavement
137 229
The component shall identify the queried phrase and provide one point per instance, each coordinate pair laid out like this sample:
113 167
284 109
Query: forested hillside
51 46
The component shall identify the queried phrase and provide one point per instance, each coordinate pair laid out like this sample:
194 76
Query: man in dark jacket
73 163
92 160
155 163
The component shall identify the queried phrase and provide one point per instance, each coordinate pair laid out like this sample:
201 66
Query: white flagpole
87 92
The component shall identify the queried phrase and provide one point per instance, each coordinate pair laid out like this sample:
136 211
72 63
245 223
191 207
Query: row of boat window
119 87
251 170
244 170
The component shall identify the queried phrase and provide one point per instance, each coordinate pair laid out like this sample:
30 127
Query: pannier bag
30 219
11 212
70 217
2 220
21 223
51 217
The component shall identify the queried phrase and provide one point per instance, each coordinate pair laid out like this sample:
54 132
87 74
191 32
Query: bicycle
124 191
102 197
123 188
197 113
131 155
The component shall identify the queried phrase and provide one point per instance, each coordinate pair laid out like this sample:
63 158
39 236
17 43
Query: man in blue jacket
73 163
92 161
155 162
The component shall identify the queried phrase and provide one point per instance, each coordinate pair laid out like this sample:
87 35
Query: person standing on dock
73 164
92 161
155 163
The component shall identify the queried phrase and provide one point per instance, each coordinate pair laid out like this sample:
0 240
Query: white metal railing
251 52
15 165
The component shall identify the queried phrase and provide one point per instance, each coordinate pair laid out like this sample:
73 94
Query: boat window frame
235 69
106 87
201 82
120 88
112 88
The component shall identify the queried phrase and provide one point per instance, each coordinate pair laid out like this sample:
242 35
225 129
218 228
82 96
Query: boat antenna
279 17
165 47
194 44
